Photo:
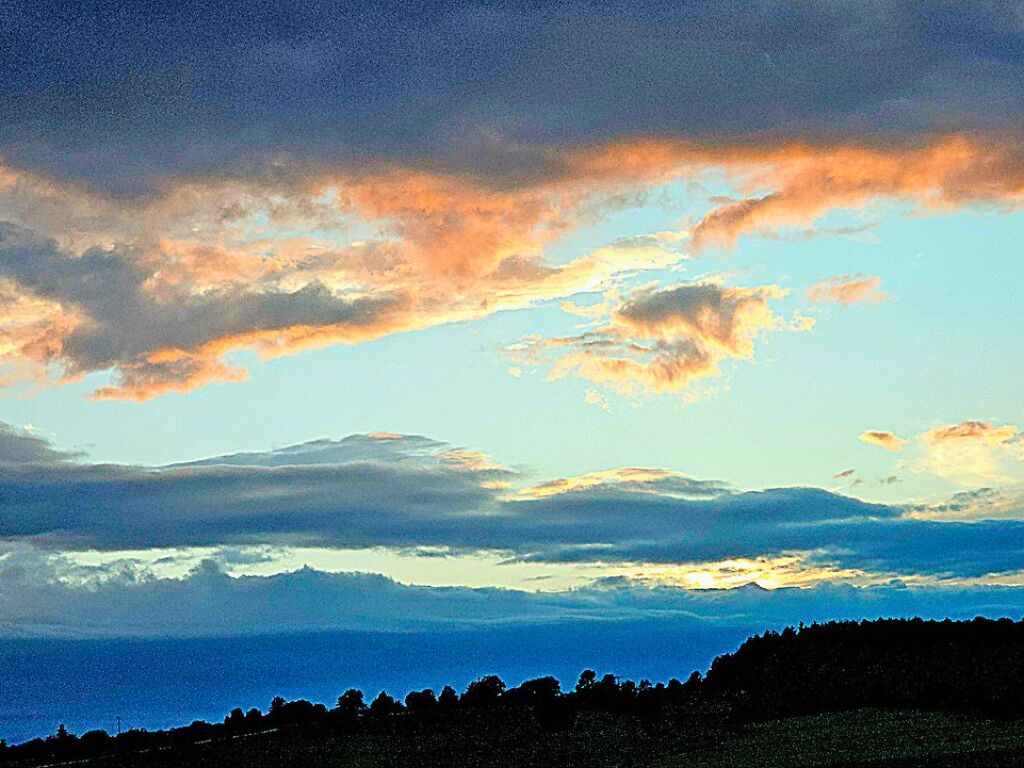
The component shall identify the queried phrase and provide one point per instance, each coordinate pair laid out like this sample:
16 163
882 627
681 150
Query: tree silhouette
448 699
351 704
483 692
555 713
586 681
421 702
384 706
235 721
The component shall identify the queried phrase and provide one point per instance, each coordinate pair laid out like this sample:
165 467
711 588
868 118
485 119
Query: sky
384 316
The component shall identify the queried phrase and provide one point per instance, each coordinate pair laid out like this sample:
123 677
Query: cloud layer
485 88
334 174
37 600
160 289
412 493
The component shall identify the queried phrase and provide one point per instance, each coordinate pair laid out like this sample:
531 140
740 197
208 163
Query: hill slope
882 693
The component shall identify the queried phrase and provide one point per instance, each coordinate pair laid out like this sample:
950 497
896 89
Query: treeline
552 708
965 666
973 666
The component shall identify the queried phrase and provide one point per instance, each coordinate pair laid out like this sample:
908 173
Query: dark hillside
974 666
883 693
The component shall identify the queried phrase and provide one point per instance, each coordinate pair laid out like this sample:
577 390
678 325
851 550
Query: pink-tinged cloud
848 289
883 439
660 340
158 289
972 430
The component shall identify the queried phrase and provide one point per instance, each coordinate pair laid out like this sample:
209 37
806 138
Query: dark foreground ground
859 738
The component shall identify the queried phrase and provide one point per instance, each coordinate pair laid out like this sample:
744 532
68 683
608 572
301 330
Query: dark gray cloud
20 446
412 492
362 491
194 87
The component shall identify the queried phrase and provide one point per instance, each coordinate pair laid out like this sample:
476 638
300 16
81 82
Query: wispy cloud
848 289
883 439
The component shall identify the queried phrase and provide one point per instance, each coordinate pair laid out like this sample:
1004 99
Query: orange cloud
971 431
308 257
886 440
595 398
790 184
168 371
663 481
848 289
659 340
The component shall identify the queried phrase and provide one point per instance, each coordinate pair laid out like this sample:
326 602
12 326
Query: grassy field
861 738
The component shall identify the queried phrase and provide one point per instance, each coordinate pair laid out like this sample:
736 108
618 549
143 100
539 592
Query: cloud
971 452
972 431
161 308
848 289
785 184
414 493
660 339
317 254
974 453
21 446
595 398
485 90
43 596
1006 502
883 439
361 491
640 479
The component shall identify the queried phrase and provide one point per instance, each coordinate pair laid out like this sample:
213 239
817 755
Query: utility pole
118 725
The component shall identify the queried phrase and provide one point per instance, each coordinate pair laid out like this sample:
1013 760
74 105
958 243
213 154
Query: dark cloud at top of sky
191 87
